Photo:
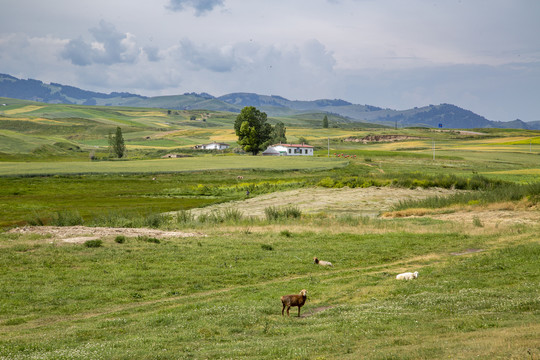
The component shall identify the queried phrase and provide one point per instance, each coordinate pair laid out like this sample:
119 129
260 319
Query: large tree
252 130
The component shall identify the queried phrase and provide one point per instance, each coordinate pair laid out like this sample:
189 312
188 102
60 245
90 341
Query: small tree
325 122
116 144
278 133
303 140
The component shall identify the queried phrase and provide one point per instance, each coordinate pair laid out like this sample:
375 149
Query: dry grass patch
80 234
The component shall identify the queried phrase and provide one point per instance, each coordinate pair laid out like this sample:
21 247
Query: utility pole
328 147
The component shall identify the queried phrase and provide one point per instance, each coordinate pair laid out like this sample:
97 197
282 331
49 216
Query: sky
481 55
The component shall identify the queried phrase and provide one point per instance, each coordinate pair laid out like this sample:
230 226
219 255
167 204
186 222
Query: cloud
315 54
152 53
78 52
110 47
206 57
201 7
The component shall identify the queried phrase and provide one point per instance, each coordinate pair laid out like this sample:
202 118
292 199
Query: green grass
167 165
218 296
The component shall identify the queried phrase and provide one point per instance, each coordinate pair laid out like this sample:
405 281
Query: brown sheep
293 300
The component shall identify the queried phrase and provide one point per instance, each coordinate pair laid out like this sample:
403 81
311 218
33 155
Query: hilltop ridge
443 115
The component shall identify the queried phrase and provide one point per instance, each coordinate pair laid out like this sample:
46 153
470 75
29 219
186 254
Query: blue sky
482 55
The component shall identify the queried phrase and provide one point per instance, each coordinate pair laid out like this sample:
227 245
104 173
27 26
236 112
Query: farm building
289 150
212 146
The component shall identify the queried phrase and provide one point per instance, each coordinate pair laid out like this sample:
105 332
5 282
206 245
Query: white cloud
201 7
110 47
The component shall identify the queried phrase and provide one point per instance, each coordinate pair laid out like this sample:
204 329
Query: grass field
168 165
218 296
154 258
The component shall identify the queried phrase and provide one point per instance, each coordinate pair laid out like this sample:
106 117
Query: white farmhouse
289 150
212 146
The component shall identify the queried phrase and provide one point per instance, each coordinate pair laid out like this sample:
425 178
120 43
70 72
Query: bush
276 213
148 239
267 247
120 239
184 217
477 222
155 220
285 233
66 218
93 243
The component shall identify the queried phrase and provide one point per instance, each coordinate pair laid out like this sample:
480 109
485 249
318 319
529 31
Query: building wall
294 151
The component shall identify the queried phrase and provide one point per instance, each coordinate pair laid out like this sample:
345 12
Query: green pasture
168 165
217 296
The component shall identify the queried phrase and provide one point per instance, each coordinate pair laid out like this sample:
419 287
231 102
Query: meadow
208 286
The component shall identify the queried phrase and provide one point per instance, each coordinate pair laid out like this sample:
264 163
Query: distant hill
444 115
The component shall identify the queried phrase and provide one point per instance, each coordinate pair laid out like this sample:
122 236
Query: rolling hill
443 115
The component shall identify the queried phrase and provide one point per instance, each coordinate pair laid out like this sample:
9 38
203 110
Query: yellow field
23 110
144 114
518 172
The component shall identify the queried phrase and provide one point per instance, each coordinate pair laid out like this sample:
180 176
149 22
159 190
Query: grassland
214 294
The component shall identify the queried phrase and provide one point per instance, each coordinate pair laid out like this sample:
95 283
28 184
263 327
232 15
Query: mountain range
443 115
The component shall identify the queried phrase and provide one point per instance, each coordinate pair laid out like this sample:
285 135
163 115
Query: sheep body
407 276
322 262
293 300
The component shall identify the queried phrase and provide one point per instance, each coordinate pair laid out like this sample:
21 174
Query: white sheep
322 262
407 276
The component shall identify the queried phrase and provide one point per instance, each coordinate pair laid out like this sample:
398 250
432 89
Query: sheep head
303 292
415 274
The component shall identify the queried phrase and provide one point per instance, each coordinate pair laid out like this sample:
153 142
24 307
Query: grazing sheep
239 177
322 262
407 276
293 300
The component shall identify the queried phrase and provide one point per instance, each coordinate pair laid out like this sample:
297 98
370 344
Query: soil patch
80 234
312 312
381 138
468 251
492 217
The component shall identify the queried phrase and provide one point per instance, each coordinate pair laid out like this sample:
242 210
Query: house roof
270 150
212 143
294 145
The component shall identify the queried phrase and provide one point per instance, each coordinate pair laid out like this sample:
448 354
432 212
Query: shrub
272 213
285 233
292 212
184 217
477 222
93 243
232 215
35 220
148 239
120 239
155 220
267 247
327 182
66 218
276 213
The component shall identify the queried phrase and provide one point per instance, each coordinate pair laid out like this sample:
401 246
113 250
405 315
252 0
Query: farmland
187 258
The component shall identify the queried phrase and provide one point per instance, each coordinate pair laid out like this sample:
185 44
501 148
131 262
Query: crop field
187 258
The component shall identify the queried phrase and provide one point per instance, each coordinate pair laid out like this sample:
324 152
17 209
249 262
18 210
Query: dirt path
80 234
357 202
